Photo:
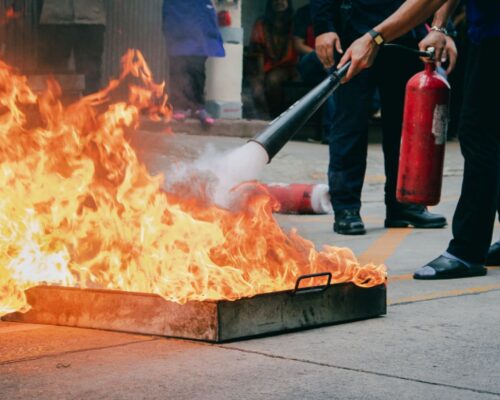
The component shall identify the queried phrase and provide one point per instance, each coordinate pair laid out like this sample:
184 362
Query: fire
78 208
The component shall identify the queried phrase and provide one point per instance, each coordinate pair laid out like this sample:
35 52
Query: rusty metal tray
211 321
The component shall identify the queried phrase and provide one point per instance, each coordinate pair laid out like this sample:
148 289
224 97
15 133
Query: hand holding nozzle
360 54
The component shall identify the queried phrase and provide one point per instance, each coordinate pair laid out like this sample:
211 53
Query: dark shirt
302 25
483 17
361 15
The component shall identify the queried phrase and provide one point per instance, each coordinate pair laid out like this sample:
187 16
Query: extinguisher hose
429 53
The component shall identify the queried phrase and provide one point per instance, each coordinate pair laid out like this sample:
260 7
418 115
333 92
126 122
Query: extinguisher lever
430 52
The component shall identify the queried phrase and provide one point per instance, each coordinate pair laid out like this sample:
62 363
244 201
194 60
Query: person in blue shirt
479 130
192 35
337 23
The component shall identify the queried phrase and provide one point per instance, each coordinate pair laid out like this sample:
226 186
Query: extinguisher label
440 123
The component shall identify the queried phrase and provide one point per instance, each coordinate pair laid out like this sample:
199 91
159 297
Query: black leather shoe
348 222
493 257
414 215
446 268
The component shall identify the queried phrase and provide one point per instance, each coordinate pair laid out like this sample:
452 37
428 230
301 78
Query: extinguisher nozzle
283 128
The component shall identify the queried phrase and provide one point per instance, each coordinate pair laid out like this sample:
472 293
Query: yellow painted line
374 179
316 218
408 277
403 277
382 248
327 218
447 199
444 294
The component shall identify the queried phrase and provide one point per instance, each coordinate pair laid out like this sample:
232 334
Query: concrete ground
439 340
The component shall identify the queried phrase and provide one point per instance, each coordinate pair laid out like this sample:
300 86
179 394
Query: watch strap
377 37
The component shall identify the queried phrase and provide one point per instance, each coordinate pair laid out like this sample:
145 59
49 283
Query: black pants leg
393 69
348 141
88 45
479 135
54 48
187 82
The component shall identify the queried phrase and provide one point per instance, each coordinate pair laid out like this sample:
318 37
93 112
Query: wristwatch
441 29
377 37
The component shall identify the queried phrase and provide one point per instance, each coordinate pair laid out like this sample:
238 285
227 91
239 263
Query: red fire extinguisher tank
425 122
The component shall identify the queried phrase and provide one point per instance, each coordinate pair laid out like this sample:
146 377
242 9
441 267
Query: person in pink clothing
192 35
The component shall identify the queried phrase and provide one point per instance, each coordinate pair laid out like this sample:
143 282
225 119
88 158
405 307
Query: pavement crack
63 353
358 370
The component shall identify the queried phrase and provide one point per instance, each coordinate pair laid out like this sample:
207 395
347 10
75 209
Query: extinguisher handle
431 53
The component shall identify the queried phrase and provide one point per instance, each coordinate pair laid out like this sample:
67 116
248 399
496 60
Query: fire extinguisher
425 123
301 198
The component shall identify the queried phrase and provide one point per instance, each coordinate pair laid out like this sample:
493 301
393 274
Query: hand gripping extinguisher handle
283 128
430 53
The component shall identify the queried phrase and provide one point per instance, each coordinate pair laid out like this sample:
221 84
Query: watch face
378 39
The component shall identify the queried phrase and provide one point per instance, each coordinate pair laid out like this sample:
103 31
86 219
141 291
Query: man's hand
325 46
438 41
362 53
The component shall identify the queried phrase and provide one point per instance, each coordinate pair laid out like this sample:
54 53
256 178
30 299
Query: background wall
138 25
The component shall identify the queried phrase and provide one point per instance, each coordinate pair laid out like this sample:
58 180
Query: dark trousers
87 42
312 72
349 136
187 82
479 135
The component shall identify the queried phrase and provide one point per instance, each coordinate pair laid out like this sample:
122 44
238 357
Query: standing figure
271 48
192 35
479 131
309 67
336 25
479 136
76 26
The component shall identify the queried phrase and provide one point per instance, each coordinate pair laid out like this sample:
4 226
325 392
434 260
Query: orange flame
77 208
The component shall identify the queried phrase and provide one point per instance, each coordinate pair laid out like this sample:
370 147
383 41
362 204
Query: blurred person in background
273 55
310 69
77 26
192 35
11 15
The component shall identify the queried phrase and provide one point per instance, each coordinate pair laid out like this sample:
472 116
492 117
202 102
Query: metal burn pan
211 321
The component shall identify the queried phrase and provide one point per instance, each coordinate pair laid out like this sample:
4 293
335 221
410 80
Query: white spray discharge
220 172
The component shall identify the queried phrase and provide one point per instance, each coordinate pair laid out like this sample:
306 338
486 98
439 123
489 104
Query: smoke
214 174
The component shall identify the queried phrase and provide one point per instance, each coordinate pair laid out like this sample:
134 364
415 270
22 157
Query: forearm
442 16
413 13
300 46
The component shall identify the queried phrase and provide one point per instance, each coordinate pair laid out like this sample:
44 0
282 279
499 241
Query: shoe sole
401 223
469 274
352 232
